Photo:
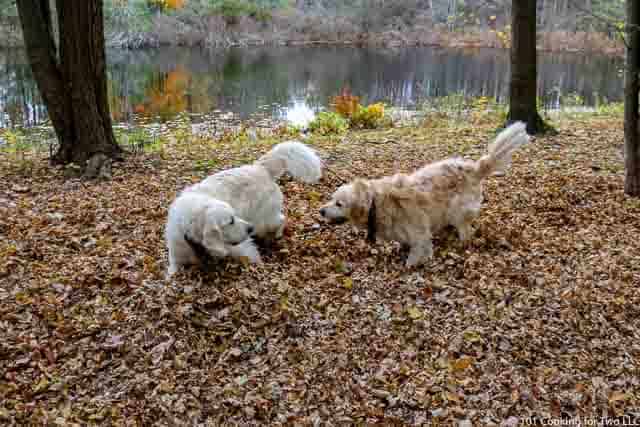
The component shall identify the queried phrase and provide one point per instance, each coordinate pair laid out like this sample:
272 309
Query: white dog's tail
294 157
500 150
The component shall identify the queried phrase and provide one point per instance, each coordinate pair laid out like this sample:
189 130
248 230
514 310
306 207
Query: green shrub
328 122
572 100
233 10
132 16
21 146
614 108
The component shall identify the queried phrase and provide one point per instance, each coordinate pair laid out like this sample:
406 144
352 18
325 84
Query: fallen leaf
414 313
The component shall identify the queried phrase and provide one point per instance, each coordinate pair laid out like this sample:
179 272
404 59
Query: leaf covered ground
539 316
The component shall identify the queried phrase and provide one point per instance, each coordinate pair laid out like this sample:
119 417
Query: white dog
221 212
411 208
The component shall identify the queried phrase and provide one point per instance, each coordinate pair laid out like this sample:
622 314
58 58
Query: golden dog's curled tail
500 150
294 157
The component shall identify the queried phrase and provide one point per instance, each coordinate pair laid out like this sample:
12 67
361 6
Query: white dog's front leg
280 229
419 252
246 249
179 254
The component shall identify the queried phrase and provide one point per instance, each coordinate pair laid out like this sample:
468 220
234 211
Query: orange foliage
177 80
345 104
174 4
167 4
168 96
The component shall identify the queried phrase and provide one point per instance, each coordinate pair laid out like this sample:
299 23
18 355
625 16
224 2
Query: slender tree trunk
73 83
524 73
632 87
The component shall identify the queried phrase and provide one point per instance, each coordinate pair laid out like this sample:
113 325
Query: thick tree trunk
632 87
83 64
524 73
74 83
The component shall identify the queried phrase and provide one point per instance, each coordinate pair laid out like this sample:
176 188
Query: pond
292 83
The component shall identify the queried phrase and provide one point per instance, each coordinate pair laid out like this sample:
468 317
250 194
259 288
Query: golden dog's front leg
465 233
419 252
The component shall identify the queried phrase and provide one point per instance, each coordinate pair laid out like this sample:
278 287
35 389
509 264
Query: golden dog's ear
212 238
361 202
360 187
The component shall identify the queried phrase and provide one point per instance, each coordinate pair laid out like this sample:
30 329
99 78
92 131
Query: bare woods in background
563 25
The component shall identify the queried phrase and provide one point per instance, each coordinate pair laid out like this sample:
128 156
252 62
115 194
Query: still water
293 82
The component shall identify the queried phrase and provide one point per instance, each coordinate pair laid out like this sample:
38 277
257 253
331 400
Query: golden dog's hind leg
462 222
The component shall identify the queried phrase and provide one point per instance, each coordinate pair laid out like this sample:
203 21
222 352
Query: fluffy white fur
209 222
411 208
249 193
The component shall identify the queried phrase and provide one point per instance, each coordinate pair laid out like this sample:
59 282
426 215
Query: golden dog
411 208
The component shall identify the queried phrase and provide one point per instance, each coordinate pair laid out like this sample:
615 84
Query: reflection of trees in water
167 81
406 76
20 101
589 76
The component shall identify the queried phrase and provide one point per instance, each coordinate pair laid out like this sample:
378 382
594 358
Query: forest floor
539 316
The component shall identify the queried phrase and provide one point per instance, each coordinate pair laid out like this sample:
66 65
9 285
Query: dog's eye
233 220
339 204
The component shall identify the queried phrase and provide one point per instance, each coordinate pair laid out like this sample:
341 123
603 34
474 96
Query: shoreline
552 42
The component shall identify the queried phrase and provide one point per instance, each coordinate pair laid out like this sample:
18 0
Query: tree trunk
73 84
83 63
35 19
631 89
524 74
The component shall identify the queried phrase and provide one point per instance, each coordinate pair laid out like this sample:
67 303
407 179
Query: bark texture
631 89
524 63
73 81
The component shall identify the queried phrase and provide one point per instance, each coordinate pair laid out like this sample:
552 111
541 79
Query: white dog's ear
212 238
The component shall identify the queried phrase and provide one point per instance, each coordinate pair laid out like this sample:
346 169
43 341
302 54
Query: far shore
557 41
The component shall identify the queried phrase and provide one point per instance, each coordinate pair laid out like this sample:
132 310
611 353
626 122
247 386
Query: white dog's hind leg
246 249
173 269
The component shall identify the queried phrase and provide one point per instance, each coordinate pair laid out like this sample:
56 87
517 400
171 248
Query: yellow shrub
369 117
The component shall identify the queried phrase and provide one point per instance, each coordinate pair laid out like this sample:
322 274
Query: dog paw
247 252
419 255
412 261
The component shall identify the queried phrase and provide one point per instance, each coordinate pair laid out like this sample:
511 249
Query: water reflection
292 83
297 112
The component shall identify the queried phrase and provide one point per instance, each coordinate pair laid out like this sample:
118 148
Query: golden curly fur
411 208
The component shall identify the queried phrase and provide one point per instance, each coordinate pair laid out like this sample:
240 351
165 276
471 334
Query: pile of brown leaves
540 316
